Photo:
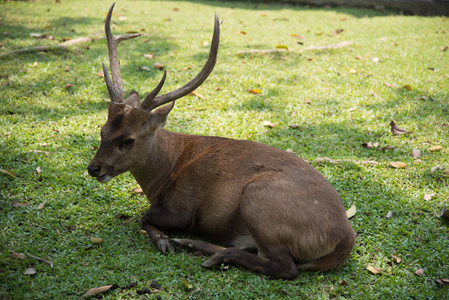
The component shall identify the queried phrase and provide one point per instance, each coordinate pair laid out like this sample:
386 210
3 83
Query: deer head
132 124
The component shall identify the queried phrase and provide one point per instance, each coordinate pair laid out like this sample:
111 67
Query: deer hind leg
278 262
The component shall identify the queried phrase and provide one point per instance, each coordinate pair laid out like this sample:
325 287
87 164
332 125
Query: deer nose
93 171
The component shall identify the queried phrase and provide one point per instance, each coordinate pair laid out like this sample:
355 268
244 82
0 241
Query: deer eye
127 144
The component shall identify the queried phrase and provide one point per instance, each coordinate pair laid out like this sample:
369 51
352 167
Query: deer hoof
166 245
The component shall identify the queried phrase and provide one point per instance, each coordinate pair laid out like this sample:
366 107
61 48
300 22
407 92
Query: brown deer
274 210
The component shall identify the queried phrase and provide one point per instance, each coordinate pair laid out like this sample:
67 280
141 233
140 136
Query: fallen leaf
217 88
268 124
43 144
435 148
434 169
368 145
38 170
389 215
255 91
388 148
407 87
41 152
186 284
294 126
444 212
387 84
359 57
195 93
122 18
148 55
307 101
290 151
343 282
375 59
175 9
16 255
145 68
428 197
30 271
98 290
96 240
352 108
375 144
374 270
398 165
351 211
138 191
442 281
157 65
100 74
282 47
444 48
298 36
353 71
9 172
395 129
143 232
242 32
17 204
43 204
416 153
419 272
35 64
396 258
68 86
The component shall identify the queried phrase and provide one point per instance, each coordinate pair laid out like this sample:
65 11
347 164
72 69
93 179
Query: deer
264 209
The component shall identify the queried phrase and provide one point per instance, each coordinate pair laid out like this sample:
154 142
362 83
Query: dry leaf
68 86
148 55
30 271
374 270
9 172
396 258
434 169
43 204
17 204
442 281
268 124
38 170
204 43
294 126
298 36
428 197
255 91
389 215
143 232
368 145
282 47
398 165
353 71
186 284
307 101
444 212
138 191
195 93
407 87
388 148
435 148
395 129
359 57
343 282
217 88
416 153
290 151
98 290
16 255
145 68
35 64
158 66
419 272
96 240
351 212
242 32
375 59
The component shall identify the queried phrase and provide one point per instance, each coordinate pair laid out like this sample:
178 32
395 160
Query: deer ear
133 99
158 117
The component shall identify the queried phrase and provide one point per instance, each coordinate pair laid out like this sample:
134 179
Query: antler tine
195 82
115 88
147 104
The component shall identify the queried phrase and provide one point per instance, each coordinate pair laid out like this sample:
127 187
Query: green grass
346 109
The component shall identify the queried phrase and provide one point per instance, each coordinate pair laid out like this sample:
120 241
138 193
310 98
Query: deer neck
158 163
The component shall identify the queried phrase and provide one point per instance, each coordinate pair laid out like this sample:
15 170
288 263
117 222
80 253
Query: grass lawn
52 108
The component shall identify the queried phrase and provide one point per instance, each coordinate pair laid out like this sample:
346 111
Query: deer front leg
157 217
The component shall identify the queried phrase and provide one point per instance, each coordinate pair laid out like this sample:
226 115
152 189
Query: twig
261 51
322 47
42 260
96 36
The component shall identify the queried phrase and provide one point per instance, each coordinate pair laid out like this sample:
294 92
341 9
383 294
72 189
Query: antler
152 101
115 89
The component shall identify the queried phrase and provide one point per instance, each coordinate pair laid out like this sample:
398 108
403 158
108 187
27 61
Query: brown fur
271 208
